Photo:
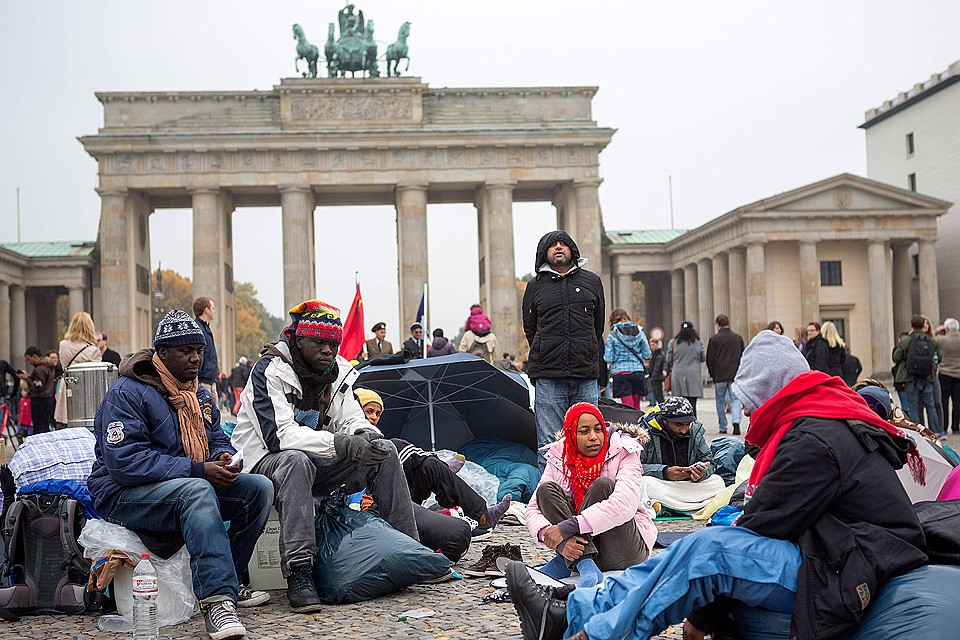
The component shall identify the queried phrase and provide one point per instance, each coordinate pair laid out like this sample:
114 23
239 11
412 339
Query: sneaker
301 591
487 560
480 533
247 597
222 622
511 554
542 610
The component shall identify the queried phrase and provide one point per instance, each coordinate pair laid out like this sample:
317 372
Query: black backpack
45 567
920 356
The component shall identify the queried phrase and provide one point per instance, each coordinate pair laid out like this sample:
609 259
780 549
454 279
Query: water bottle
145 589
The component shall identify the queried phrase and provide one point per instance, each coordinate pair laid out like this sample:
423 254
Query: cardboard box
264 566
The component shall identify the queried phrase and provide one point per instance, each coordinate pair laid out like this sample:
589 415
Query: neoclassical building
835 250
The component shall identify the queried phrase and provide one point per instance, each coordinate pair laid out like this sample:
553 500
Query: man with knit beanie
301 426
164 465
826 523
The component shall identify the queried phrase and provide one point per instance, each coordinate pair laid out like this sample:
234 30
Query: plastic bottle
145 590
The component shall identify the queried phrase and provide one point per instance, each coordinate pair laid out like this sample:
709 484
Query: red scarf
814 394
583 471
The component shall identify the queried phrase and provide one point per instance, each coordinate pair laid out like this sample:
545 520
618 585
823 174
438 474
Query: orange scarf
183 397
583 471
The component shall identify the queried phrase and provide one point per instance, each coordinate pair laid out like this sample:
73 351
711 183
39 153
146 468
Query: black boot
736 429
301 591
542 610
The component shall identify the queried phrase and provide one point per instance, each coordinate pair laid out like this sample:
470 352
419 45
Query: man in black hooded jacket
563 319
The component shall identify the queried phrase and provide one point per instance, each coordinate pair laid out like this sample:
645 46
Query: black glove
362 447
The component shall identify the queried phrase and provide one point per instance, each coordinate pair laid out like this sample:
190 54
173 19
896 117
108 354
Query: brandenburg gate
313 142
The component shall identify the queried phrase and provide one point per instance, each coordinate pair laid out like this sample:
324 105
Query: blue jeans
648 597
722 389
197 510
916 393
554 396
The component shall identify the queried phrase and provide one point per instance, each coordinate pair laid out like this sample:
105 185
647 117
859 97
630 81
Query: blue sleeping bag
513 464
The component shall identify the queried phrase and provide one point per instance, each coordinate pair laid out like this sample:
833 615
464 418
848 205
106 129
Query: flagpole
426 319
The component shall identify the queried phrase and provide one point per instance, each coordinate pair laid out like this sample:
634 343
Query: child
24 417
657 372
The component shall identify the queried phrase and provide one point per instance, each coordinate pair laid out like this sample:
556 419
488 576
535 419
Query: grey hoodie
768 363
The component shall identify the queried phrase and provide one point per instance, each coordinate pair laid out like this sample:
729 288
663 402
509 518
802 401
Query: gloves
364 448
308 418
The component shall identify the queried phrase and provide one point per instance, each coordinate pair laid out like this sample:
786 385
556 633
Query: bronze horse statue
330 52
305 51
398 51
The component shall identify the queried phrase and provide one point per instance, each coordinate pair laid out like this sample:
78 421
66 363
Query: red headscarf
583 471
814 394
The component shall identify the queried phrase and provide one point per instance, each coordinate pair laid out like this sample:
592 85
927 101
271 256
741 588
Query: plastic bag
176 602
480 480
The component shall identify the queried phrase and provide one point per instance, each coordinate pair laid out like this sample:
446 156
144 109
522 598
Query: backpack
920 356
480 349
45 567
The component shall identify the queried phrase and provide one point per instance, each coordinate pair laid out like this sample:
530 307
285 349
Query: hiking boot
222 622
542 610
487 560
736 429
247 597
301 591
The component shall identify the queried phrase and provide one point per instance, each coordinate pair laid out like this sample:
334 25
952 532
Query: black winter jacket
209 369
822 357
723 355
563 318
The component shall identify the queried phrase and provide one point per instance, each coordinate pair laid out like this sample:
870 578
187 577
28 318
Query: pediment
848 193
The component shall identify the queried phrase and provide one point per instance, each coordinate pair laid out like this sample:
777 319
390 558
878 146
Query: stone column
738 293
756 290
691 310
677 297
5 327
809 283
117 274
412 248
18 325
588 224
625 292
929 295
902 281
565 205
296 205
75 300
705 297
881 329
504 307
721 285
213 265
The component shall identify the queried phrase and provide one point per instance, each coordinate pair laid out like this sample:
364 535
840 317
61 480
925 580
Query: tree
254 326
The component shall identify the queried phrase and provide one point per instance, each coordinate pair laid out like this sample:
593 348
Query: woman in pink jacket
587 506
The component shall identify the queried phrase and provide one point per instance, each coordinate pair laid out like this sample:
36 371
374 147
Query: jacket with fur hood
697 448
622 465
563 317
267 419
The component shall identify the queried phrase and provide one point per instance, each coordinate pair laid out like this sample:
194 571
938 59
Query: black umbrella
445 402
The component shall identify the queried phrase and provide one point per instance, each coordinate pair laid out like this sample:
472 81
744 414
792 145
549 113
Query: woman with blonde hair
835 348
78 345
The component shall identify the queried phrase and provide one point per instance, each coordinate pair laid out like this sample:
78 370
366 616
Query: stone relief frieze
334 108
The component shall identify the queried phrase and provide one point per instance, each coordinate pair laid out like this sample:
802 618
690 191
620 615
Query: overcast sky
736 101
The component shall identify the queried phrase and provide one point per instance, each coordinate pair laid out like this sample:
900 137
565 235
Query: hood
438 343
547 240
139 366
629 333
619 441
768 363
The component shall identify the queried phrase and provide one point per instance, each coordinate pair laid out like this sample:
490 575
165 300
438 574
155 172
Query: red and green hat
316 319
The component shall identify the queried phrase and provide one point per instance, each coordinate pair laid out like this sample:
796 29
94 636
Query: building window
912 181
909 144
831 274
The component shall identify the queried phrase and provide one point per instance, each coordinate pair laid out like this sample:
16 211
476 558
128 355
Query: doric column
117 274
809 283
625 292
691 310
5 327
705 297
902 281
929 294
756 290
721 285
75 300
18 325
589 225
566 207
213 265
738 293
881 328
296 205
504 306
411 248
677 298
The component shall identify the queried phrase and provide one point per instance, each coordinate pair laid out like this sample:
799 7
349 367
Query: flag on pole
353 333
420 308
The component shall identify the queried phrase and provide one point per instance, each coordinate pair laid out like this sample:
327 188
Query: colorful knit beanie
315 319
178 328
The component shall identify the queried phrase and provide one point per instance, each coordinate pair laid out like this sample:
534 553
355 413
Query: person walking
205 311
238 380
949 374
478 337
625 350
41 389
658 373
723 359
563 320
79 344
683 359
915 359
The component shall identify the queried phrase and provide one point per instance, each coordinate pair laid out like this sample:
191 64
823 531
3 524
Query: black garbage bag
361 557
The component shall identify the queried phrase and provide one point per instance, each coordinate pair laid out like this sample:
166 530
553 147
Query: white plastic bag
176 601
480 480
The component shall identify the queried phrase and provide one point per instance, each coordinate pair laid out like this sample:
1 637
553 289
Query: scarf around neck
313 384
814 394
583 471
183 397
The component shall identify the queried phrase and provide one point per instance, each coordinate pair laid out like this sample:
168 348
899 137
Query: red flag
353 332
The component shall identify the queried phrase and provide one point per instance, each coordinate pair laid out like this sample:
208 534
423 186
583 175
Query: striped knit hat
316 319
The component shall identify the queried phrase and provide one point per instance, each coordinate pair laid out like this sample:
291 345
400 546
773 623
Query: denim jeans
553 397
916 393
722 389
192 506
